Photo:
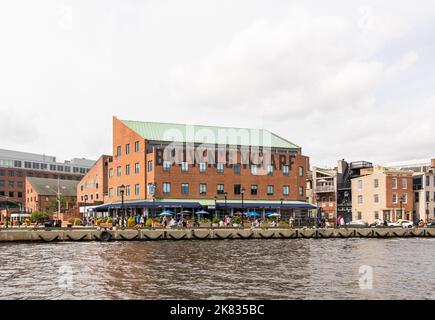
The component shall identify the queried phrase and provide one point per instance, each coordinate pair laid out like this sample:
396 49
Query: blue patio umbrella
166 213
202 212
253 214
274 215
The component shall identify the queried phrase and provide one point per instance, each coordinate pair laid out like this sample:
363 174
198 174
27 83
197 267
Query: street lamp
85 213
243 205
58 194
226 205
122 187
427 210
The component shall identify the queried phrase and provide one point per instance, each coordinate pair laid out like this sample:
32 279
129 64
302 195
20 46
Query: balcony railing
325 189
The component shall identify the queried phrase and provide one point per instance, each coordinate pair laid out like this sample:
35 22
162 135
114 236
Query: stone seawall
33 235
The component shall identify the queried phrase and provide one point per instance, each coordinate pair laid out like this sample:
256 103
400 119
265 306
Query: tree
39 217
65 202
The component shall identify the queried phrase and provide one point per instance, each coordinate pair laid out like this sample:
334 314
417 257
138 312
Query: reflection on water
233 269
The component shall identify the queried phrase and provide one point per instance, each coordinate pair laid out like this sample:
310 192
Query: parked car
357 224
431 224
407 224
377 223
401 224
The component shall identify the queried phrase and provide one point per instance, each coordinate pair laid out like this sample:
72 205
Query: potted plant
131 222
237 221
149 223
215 222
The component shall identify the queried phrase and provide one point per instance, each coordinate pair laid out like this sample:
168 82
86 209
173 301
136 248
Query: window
360 184
394 183
136 146
35 165
67 169
237 169
202 188
254 169
427 196
150 165
17 164
254 189
127 191
60 168
119 171
376 198
220 167
2 183
96 195
2 173
28 165
136 189
184 188
269 170
270 190
301 191
286 170
202 166
127 170
285 190
20 184
405 198
376 215
184 167
301 171
11 173
11 194
118 151
127 148
220 189
111 173
136 167
119 191
30 174
166 165
111 192
11 184
237 189
331 198
394 197
359 215
404 183
376 183
360 199
166 187
427 181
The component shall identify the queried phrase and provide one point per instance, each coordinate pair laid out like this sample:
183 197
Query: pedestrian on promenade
342 222
339 221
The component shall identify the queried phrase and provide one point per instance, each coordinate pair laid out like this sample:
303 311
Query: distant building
93 188
42 195
15 166
383 193
330 189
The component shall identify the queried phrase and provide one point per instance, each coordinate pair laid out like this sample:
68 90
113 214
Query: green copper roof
171 132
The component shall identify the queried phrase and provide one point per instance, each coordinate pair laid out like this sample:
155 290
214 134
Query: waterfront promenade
88 234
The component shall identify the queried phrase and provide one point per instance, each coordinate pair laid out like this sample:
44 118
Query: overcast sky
343 79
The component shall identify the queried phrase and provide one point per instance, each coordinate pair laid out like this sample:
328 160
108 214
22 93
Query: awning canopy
200 203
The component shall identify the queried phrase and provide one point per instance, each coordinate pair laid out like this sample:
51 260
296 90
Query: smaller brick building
42 193
93 188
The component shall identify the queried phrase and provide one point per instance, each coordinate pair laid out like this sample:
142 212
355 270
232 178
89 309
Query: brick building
15 166
383 193
158 165
42 195
93 187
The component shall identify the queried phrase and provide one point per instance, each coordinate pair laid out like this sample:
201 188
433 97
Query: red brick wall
88 184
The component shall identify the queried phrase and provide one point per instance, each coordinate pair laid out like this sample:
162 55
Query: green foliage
99 221
131 222
109 220
64 203
27 221
39 217
237 220
216 220
77 222
149 223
